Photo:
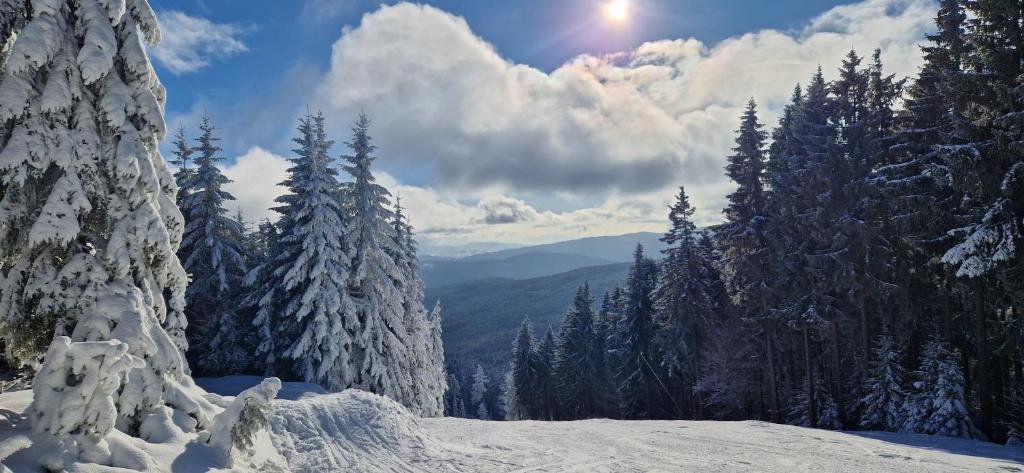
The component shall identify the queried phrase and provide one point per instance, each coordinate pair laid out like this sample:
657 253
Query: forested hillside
481 317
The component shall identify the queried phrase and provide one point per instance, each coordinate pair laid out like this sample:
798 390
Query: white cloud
192 43
604 140
441 218
256 175
634 123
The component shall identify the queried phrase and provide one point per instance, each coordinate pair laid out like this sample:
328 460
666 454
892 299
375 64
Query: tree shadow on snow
197 457
958 446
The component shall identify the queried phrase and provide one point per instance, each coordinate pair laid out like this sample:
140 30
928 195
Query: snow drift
310 431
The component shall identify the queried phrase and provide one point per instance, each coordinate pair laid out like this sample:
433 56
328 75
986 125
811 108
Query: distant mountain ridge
480 318
537 261
616 248
437 273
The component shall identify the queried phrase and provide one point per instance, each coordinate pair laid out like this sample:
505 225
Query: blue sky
513 121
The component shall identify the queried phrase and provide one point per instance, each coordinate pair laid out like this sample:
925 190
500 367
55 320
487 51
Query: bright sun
617 11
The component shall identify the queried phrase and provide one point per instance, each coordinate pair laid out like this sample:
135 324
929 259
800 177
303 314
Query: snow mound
235 384
350 431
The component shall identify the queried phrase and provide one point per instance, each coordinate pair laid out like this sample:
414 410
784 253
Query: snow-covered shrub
73 396
247 414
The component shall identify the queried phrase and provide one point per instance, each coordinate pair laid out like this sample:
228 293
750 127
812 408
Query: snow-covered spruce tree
521 395
213 254
918 180
990 178
640 389
547 384
376 284
425 347
825 408
88 223
304 318
744 237
685 304
431 377
575 375
938 404
454 402
478 394
807 205
605 400
884 396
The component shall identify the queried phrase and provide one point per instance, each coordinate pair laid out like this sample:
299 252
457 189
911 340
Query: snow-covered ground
360 432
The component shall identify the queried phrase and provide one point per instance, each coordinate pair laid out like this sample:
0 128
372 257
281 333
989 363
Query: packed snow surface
360 432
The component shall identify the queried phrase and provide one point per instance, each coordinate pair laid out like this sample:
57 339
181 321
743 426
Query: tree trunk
812 407
773 391
947 311
837 362
982 371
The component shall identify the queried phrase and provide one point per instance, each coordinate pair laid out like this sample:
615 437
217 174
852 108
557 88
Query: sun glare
617 11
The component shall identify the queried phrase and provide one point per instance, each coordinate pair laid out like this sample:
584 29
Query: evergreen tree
989 178
604 324
306 321
454 402
213 254
882 404
431 379
478 394
521 396
748 262
574 365
88 223
377 284
424 331
938 405
685 303
546 382
640 389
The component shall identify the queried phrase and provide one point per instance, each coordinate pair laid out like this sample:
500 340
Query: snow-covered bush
73 396
247 414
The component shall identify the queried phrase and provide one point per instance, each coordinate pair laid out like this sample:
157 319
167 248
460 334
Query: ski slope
354 431
678 446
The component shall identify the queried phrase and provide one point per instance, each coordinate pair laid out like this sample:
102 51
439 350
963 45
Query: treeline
866 276
330 293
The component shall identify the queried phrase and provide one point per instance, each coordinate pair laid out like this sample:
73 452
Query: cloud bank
597 146
191 43
444 98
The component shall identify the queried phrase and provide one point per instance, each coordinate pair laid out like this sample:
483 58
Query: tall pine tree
376 283
640 389
574 364
306 321
744 235
213 254
88 222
